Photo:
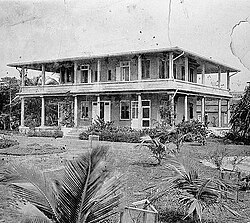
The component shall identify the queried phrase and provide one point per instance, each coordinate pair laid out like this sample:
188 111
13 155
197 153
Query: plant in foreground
85 194
196 194
159 149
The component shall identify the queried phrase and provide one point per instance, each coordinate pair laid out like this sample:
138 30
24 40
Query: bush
5 143
235 137
51 133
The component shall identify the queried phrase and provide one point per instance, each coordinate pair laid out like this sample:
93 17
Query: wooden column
186 68
139 68
139 112
22 77
219 112
186 108
43 74
43 112
98 71
98 105
228 80
75 73
228 113
171 66
203 109
22 111
203 73
75 111
219 77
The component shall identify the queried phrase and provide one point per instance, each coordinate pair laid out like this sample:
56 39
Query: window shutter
118 73
89 76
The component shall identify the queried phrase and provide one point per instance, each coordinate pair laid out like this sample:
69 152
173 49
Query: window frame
124 66
149 73
88 105
85 69
128 102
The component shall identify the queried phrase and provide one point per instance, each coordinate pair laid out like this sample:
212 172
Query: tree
240 119
86 193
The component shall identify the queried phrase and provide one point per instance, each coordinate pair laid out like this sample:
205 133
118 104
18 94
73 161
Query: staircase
74 133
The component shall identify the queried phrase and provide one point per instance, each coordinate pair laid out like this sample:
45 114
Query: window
145 69
134 109
191 75
125 71
183 73
95 76
84 110
67 75
174 70
191 111
85 73
162 69
124 110
109 78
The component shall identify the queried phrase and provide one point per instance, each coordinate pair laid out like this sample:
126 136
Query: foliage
195 193
5 143
193 131
86 193
67 112
217 156
235 137
240 118
159 149
46 133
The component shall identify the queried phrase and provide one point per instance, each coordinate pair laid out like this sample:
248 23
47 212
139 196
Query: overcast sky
39 29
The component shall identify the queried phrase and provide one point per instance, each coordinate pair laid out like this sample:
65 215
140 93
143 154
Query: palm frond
31 184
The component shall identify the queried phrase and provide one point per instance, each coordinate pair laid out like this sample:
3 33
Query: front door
134 114
146 113
104 112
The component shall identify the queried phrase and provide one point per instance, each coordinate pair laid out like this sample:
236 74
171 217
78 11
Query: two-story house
130 88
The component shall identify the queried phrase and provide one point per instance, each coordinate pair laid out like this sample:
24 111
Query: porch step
74 133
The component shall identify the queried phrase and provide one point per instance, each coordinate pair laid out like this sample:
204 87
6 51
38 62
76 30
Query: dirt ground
134 163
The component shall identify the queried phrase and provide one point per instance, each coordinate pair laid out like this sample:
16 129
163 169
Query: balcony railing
122 86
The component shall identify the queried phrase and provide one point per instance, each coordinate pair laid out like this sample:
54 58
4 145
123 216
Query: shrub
51 133
236 137
5 143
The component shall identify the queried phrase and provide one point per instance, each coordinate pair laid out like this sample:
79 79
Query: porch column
22 77
228 80
75 111
219 112
75 73
139 112
171 66
139 68
203 108
22 111
98 105
186 108
186 68
228 112
219 77
203 73
43 74
43 112
172 109
98 71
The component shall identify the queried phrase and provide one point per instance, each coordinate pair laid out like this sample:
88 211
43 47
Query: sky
44 29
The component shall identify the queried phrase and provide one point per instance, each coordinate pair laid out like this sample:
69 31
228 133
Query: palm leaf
32 185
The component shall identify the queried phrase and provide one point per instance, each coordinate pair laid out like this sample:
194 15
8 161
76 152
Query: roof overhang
53 64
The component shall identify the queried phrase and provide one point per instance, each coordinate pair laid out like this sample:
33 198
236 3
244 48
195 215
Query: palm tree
195 194
85 194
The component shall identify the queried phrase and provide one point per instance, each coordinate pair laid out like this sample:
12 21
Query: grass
137 167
